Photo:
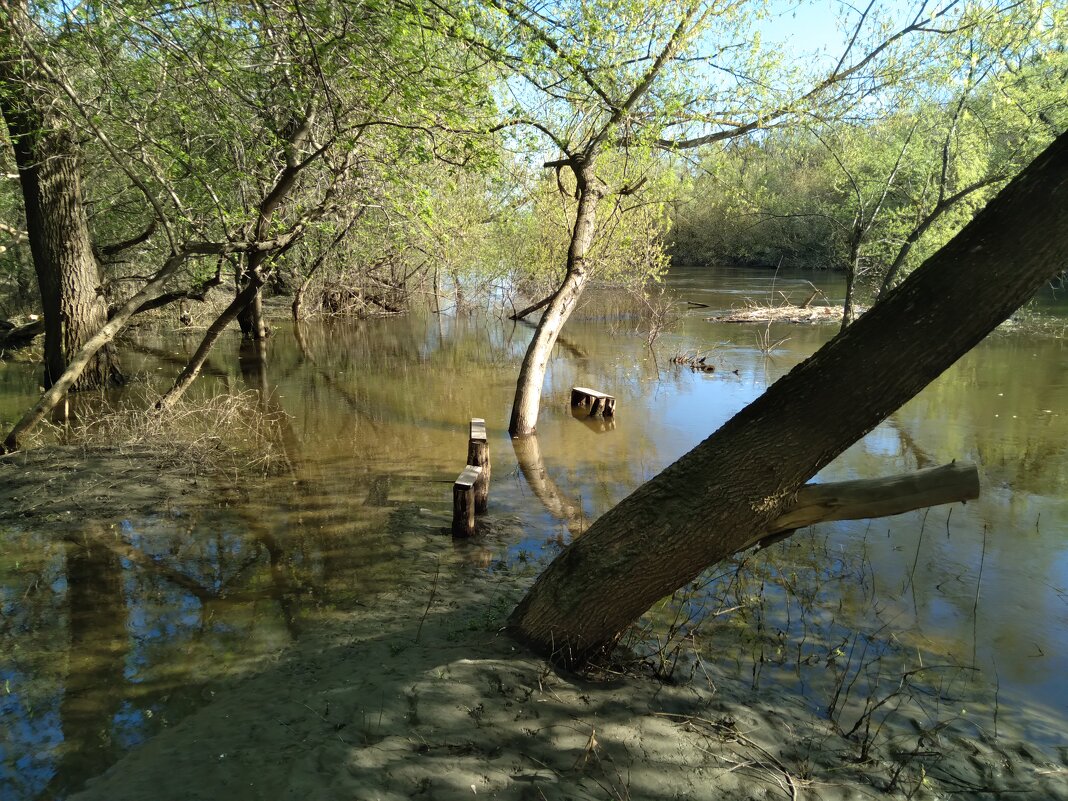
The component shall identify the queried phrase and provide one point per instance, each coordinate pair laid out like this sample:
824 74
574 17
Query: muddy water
102 647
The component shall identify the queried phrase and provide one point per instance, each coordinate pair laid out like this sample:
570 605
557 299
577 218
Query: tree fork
720 495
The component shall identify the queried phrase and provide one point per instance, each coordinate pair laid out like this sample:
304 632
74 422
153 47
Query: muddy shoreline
420 695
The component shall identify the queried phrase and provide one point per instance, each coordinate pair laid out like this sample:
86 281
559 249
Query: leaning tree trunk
68 275
527 401
715 499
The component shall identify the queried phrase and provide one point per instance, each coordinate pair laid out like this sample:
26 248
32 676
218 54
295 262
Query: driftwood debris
781 314
873 497
597 402
696 362
14 337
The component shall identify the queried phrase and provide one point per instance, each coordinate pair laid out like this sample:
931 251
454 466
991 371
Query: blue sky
808 28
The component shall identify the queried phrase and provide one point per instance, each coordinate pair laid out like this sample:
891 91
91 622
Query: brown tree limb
115 248
541 304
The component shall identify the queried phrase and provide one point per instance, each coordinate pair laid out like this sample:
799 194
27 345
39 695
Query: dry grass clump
785 310
785 313
232 433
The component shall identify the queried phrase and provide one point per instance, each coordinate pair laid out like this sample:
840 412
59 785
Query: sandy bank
418 696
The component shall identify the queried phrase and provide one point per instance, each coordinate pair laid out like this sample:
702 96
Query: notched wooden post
478 455
463 502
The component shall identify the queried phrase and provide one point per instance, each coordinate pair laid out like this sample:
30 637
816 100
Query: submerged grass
809 617
234 432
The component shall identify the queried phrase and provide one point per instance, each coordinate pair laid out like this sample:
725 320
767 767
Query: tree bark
86 354
716 498
68 275
527 402
250 317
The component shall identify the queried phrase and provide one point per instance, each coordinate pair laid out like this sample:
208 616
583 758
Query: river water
965 607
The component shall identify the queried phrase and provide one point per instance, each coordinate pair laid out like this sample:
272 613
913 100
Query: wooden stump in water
463 502
597 402
478 455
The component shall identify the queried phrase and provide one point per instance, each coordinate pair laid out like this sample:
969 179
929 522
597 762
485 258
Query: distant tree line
875 194
360 156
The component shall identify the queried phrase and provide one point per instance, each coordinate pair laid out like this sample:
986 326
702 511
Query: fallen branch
786 313
519 315
21 336
873 497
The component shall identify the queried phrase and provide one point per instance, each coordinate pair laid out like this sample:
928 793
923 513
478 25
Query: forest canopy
362 157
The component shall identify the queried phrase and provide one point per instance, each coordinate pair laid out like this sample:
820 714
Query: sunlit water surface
99 648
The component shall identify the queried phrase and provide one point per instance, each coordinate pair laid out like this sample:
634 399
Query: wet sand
421 696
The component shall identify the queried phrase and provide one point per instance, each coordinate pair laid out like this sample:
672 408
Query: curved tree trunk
68 275
527 401
719 496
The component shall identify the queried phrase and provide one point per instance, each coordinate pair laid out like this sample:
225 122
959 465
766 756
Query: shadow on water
557 503
91 701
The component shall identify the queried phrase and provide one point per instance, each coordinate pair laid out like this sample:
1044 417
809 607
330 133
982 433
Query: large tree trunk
86 354
250 318
68 274
527 401
719 496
